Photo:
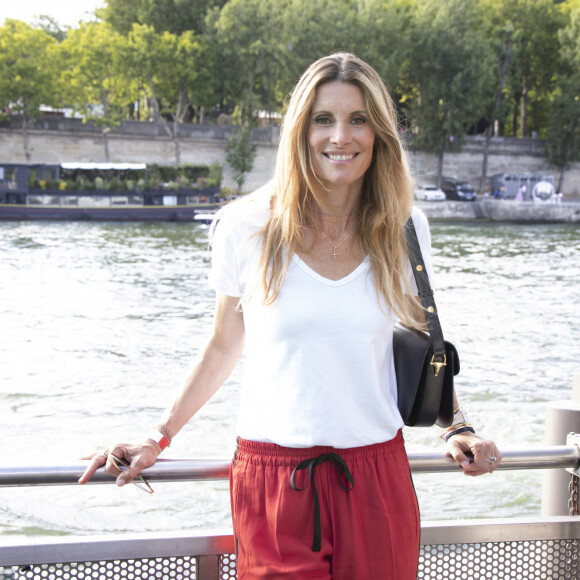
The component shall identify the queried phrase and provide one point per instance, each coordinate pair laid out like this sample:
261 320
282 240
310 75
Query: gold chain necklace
338 215
334 248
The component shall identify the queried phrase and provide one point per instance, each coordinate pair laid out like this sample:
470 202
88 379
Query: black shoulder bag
425 363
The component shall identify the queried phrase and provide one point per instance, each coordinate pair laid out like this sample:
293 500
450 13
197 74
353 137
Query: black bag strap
424 289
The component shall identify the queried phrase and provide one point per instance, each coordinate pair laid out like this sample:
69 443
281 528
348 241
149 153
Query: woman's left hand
486 455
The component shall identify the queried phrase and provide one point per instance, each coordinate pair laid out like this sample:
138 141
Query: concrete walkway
502 211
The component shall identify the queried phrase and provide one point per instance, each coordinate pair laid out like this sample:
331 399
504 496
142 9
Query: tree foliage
453 66
564 118
240 154
175 16
450 86
93 74
28 72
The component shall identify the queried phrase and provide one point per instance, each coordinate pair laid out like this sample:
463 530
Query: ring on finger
491 459
104 454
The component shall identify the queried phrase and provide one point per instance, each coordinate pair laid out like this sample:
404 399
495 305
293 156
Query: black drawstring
311 464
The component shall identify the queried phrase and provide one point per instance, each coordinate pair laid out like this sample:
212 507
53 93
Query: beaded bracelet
163 429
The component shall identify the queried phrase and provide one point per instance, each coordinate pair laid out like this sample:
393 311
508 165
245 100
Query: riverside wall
57 140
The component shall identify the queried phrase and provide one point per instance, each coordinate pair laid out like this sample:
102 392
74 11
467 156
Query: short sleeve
235 243
224 273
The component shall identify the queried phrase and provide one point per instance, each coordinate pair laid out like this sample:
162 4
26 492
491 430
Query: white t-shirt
318 363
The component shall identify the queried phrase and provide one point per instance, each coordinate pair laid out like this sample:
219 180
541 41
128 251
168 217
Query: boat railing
513 548
166 470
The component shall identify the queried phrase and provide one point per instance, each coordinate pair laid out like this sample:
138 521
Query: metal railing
515 548
565 456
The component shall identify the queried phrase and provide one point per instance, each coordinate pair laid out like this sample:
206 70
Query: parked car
429 193
457 189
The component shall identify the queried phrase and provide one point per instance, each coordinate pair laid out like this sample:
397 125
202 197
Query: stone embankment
502 211
56 140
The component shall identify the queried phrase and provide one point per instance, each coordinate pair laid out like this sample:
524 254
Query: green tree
253 54
175 16
503 34
312 30
51 27
28 73
564 118
534 60
240 154
96 87
448 88
382 37
164 66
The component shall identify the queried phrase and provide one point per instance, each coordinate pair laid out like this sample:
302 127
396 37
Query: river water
99 324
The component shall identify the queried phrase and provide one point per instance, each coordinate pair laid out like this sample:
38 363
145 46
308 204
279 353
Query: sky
65 12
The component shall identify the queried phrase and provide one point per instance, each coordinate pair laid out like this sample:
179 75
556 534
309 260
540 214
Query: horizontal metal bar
136 546
44 550
565 456
163 470
500 530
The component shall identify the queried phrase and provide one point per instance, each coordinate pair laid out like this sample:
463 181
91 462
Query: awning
104 166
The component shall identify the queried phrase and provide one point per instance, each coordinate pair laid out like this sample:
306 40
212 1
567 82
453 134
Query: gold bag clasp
438 365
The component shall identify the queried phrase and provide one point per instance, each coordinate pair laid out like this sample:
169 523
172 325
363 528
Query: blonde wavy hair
387 191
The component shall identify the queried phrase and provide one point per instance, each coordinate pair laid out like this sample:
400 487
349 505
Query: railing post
207 567
562 417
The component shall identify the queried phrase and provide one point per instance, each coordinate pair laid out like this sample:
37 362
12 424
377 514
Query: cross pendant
334 254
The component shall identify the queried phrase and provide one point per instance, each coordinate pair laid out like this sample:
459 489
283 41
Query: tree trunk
517 107
569 154
483 177
183 103
561 180
440 164
106 144
524 112
502 67
176 143
154 103
173 134
26 139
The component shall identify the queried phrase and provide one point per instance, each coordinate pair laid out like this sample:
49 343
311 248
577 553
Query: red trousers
364 498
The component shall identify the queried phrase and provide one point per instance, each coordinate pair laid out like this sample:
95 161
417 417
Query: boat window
192 199
8 178
117 200
70 200
95 200
43 200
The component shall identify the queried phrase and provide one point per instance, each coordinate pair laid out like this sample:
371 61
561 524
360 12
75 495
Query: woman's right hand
139 456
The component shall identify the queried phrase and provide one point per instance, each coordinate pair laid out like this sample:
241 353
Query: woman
311 273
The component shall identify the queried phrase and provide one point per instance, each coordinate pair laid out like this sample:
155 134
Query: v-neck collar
362 267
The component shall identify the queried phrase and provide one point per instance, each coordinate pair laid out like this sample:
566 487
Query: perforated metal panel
178 568
487 550
227 567
530 560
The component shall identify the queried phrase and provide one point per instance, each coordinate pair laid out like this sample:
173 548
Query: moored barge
23 197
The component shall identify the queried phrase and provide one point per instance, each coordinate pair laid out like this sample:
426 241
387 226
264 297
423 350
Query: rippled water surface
99 324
